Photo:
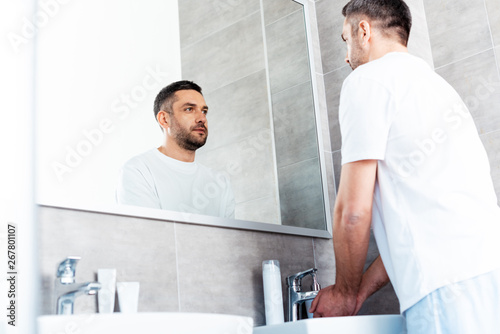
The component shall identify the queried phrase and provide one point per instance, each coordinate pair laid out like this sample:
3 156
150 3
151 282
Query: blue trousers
467 307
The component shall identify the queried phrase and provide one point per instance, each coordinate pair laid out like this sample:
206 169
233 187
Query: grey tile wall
493 9
220 58
337 165
301 196
419 42
250 164
246 112
224 271
457 29
477 81
198 22
324 259
333 84
330 22
497 54
277 9
139 249
294 125
287 52
181 267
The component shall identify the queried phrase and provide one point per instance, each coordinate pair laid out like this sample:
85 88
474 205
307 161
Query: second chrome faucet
67 290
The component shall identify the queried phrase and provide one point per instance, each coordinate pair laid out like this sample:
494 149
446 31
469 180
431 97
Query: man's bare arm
373 280
351 236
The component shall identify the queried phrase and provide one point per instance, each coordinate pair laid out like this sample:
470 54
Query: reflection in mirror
168 177
95 97
256 75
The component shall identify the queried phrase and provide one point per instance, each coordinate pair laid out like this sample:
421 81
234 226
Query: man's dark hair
390 16
166 97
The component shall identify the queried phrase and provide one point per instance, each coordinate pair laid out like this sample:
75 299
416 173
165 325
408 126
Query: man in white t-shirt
167 177
413 167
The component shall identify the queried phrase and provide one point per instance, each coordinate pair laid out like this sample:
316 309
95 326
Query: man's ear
364 32
163 119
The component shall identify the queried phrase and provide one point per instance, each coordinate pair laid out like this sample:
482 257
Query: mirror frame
328 194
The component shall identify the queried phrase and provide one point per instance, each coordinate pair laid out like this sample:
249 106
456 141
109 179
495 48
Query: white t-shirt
435 215
155 180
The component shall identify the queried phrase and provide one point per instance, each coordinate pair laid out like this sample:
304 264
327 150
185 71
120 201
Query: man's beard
189 140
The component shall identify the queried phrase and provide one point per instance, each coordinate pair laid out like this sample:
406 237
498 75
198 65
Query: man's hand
330 302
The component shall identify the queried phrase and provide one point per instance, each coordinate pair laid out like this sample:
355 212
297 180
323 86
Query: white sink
151 323
361 324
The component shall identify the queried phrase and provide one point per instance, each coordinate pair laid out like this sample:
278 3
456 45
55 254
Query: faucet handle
295 280
66 270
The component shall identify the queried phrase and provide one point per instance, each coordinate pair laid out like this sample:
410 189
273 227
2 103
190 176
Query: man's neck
386 48
177 153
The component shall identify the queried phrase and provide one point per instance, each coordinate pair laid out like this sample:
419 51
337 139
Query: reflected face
188 121
356 55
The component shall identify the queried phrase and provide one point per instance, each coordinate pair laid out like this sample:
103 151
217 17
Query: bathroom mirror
101 64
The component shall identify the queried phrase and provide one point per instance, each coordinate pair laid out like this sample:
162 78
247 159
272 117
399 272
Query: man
414 167
168 177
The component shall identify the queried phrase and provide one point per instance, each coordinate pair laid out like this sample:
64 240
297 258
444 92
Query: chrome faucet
296 297
66 288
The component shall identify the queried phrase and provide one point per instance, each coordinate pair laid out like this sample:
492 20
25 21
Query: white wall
16 170
99 68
